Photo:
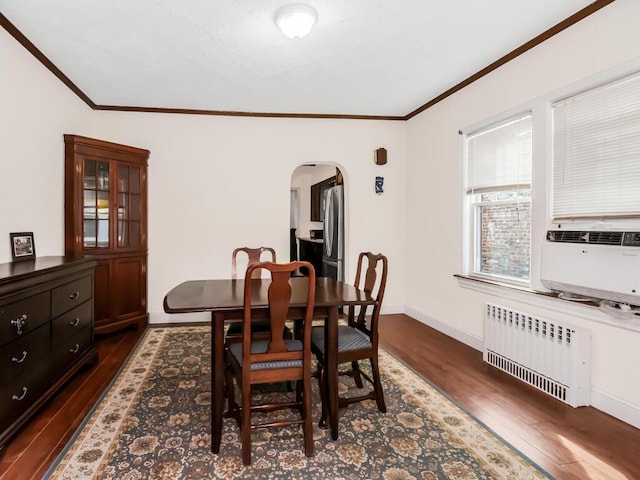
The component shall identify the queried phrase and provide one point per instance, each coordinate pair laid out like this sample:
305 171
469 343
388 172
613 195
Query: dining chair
254 255
358 339
279 359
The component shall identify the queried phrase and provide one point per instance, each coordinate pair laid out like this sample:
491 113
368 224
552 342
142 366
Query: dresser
46 332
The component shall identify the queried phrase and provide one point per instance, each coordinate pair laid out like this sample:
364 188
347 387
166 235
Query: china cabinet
106 218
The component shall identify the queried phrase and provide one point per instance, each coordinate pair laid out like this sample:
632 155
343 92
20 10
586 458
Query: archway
317 220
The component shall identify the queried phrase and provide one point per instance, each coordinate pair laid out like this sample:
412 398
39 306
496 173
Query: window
499 198
596 152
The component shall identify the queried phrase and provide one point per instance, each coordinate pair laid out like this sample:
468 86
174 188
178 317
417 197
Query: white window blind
596 153
499 157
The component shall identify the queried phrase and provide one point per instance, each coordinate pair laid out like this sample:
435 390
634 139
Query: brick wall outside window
505 240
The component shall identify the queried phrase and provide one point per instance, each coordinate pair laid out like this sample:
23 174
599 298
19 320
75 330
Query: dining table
224 299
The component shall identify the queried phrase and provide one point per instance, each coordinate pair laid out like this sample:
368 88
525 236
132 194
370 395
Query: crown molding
566 23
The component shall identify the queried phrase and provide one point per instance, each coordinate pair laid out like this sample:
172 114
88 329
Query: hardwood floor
572 444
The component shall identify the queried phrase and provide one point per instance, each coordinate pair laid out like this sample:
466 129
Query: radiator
551 356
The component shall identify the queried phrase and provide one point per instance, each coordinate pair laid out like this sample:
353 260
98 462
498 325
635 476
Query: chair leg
377 384
323 396
306 409
355 372
228 376
299 391
246 425
297 329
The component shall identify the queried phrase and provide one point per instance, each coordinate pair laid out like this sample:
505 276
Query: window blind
596 153
499 156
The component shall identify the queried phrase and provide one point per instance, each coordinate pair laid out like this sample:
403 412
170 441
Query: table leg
217 379
331 365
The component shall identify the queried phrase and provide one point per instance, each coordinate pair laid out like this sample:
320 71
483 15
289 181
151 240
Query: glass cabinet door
96 204
129 216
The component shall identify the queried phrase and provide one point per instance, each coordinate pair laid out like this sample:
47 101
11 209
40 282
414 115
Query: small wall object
379 183
23 246
380 156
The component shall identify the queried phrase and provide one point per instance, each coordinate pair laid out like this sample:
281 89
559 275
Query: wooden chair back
279 295
254 255
367 280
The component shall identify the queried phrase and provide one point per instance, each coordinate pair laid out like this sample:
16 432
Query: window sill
588 310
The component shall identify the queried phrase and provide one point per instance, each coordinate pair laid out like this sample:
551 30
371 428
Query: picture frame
23 246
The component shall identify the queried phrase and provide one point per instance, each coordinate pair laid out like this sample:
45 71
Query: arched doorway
317 225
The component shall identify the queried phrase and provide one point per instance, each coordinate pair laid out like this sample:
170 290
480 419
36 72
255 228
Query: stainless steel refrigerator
333 235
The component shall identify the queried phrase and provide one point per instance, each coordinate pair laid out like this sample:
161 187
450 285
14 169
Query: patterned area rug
154 423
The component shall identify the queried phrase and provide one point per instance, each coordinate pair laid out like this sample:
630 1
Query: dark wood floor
570 443
575 444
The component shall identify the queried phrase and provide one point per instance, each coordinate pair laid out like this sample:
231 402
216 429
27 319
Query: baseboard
616 407
392 309
162 317
448 329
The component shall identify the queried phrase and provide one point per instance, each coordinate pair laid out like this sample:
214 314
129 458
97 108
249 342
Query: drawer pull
24 356
75 349
75 322
74 296
19 323
18 398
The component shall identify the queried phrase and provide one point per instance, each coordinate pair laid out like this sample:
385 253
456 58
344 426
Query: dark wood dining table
224 299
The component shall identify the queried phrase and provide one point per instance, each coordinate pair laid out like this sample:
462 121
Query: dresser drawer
67 350
70 323
22 316
24 355
22 392
70 295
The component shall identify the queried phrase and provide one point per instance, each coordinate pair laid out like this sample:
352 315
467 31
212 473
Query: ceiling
381 58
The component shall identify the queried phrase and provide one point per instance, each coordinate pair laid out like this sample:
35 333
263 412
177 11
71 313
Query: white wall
36 109
216 183
603 41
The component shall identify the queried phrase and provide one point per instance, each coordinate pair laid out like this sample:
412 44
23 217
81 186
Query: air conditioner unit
596 264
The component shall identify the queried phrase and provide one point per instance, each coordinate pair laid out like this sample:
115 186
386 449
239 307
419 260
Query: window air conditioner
596 264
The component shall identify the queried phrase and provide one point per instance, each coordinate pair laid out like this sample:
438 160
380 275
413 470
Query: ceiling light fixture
296 21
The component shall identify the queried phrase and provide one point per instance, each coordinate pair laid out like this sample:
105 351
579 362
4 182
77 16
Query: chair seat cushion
349 338
261 346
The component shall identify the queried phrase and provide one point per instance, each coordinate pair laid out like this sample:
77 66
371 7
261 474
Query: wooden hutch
106 219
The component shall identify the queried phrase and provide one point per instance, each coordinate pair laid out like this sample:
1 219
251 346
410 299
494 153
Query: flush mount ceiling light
296 21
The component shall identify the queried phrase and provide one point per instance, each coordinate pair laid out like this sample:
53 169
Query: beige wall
36 109
603 41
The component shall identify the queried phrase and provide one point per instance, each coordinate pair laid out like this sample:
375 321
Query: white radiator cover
552 356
